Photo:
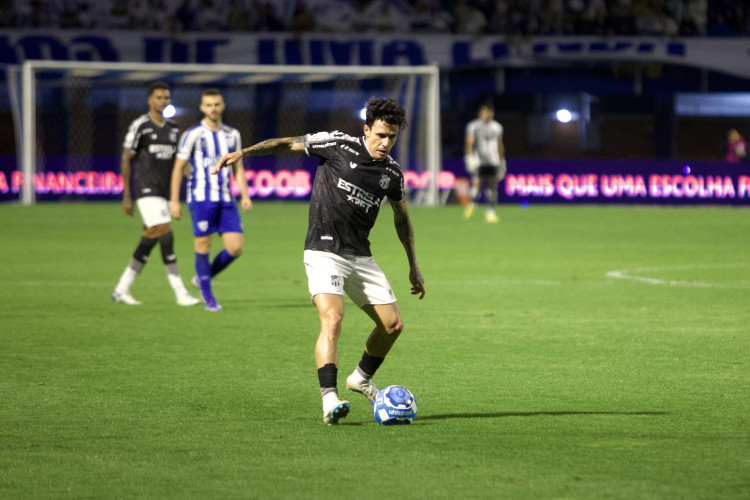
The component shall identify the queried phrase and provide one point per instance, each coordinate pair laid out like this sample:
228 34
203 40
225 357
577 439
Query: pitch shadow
539 414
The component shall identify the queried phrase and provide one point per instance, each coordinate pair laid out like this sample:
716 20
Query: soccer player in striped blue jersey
212 206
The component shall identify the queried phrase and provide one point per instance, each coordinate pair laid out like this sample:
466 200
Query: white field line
497 282
637 275
65 283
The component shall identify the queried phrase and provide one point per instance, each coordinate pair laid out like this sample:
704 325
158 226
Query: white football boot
334 409
356 383
187 300
125 298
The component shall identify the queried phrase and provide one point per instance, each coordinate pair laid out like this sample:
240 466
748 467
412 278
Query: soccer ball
394 405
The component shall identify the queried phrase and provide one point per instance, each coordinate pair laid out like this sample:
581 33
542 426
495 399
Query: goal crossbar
195 72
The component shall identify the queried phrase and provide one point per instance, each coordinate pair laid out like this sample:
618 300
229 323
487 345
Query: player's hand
471 162
175 209
127 205
417 282
246 204
226 161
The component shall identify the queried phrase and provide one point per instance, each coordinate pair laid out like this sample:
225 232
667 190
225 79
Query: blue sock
221 261
203 269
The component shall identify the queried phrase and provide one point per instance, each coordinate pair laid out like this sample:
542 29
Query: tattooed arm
405 233
264 148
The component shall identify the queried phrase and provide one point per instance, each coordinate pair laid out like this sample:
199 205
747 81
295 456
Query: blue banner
726 55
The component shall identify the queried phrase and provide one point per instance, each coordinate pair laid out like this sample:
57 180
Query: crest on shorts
203 225
385 181
336 281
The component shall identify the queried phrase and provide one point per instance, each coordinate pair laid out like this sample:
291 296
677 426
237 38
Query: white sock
330 400
358 376
175 280
127 279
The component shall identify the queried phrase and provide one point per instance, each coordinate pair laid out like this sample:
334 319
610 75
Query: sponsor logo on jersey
352 164
384 181
326 237
347 148
162 151
358 196
324 145
319 136
210 161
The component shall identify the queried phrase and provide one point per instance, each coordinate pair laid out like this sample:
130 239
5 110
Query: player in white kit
484 157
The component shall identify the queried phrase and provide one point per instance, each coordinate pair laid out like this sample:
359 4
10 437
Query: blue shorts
211 217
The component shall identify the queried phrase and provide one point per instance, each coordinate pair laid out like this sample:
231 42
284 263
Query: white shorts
359 277
154 210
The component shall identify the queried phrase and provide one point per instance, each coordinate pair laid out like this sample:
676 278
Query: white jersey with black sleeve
486 140
348 189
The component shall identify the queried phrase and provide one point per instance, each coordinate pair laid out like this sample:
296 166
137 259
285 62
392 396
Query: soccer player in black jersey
354 175
152 142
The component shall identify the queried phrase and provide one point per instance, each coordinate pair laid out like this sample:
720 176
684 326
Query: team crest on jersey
230 142
173 135
352 164
385 181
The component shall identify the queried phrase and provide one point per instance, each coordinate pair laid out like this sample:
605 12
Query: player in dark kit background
151 141
354 175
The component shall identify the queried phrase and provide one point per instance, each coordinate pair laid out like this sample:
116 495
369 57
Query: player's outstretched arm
264 148
405 233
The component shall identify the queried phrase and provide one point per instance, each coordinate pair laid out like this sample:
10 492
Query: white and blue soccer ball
394 405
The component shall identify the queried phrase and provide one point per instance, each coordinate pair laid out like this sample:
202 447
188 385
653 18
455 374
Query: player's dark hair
157 86
211 91
487 104
388 110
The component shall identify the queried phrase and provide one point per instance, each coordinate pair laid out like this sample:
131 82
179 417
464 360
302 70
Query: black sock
369 365
327 377
166 242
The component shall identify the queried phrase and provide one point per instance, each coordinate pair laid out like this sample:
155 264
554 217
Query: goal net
74 116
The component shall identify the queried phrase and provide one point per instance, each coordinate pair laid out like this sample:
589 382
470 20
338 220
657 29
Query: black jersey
347 192
155 147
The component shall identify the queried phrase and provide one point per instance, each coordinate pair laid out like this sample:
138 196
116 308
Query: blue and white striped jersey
203 147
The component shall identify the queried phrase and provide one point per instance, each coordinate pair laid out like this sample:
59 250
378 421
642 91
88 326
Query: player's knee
331 320
157 231
235 250
394 327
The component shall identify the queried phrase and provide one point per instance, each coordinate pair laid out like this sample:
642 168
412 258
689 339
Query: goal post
68 108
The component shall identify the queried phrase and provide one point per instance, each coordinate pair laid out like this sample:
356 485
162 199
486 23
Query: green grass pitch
580 352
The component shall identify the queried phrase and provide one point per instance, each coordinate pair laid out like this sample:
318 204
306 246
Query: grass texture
567 352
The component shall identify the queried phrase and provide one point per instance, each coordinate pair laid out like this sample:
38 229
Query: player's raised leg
234 244
388 327
331 313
